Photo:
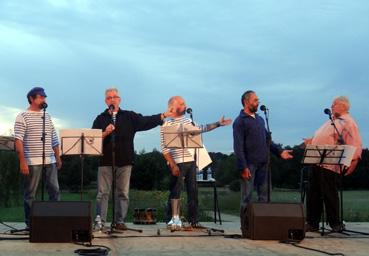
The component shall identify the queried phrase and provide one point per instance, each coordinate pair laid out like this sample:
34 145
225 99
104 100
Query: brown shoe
121 226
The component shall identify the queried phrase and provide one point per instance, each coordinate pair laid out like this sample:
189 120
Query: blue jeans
259 180
188 176
104 183
31 182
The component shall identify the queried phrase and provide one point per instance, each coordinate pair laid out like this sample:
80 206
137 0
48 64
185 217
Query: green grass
356 203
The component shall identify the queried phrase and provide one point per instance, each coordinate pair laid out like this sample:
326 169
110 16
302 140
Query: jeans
259 179
31 182
104 183
176 184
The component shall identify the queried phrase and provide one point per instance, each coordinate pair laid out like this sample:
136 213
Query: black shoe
121 227
337 228
311 228
197 225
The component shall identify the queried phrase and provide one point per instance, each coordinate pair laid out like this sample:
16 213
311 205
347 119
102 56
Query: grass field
356 203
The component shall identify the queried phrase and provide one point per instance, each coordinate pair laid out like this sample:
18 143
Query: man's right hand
175 170
246 174
109 129
24 167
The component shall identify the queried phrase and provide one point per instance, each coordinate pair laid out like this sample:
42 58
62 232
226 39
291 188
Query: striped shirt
179 155
28 129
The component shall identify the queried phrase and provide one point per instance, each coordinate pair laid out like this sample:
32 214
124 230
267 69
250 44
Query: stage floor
191 242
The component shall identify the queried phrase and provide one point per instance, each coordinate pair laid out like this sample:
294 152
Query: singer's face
38 101
112 98
253 103
338 108
179 106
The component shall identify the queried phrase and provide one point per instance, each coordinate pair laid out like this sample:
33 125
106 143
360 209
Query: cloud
9 114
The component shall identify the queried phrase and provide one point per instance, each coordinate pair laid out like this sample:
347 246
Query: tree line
150 172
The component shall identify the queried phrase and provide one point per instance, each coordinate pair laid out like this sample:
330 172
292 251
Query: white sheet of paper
71 143
312 155
203 158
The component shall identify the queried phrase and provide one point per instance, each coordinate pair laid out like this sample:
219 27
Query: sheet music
7 143
203 158
335 154
182 136
71 141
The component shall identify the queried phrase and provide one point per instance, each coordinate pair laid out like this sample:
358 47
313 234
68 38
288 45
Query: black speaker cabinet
273 221
61 221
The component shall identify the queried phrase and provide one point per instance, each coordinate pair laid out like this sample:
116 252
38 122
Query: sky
296 55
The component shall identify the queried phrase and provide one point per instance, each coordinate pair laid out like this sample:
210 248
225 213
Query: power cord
295 243
100 250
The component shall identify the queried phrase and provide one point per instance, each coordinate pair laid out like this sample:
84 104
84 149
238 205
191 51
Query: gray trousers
104 184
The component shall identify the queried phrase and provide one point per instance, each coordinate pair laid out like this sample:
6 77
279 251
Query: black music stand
7 143
81 142
340 155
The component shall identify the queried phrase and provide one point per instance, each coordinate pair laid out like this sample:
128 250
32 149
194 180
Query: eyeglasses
112 97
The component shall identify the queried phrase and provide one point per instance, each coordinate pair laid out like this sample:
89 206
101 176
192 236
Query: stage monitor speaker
61 221
273 221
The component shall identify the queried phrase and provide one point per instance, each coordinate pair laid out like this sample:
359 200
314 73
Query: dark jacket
250 141
126 125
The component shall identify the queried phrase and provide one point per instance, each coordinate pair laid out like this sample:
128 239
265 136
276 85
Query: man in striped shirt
182 164
29 146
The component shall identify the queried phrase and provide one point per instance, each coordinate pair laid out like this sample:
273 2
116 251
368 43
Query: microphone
327 111
43 105
111 108
263 108
189 111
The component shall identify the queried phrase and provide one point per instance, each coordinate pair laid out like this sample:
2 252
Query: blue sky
297 56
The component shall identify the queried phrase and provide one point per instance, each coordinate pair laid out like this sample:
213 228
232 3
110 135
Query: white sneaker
178 223
98 225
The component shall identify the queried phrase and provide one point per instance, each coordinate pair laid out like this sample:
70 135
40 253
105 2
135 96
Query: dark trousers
323 189
187 176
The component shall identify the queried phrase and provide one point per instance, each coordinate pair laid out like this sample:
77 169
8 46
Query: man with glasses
121 126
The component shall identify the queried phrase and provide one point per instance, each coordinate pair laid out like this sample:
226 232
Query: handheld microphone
189 111
111 108
43 105
263 108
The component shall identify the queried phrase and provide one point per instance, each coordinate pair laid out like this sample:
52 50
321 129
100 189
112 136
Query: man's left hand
286 154
224 122
352 167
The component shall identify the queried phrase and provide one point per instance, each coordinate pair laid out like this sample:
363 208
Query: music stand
81 142
182 136
340 155
7 143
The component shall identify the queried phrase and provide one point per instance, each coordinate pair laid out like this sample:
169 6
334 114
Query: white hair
344 100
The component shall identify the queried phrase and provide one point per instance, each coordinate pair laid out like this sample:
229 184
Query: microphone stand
43 138
114 170
269 142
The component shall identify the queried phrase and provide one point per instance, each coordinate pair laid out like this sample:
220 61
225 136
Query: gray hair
344 100
112 89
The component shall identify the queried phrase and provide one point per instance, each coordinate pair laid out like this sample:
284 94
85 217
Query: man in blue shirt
250 145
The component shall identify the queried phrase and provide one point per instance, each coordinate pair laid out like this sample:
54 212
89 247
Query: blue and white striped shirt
28 128
179 155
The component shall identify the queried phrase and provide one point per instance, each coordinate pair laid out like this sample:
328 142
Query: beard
253 109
